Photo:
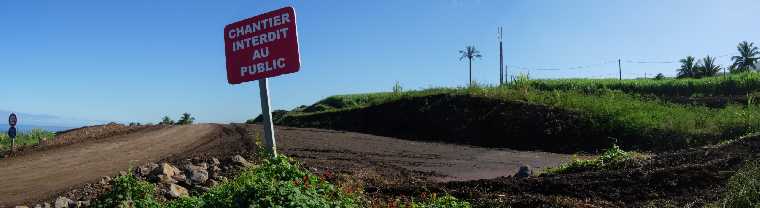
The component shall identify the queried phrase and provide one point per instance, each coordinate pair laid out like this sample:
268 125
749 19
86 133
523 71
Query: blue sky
139 60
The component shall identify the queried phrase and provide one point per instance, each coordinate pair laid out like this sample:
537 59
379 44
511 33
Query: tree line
184 119
747 60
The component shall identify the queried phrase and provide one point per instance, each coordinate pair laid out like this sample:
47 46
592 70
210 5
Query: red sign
262 46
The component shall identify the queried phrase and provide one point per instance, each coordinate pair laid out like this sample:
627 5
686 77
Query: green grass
743 188
738 84
608 159
278 182
24 139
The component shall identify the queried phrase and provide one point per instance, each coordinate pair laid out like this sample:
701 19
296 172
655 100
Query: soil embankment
487 122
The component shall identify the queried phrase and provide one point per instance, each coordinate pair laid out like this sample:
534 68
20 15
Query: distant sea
26 128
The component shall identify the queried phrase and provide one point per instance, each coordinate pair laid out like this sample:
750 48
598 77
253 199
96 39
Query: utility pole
620 70
506 67
501 58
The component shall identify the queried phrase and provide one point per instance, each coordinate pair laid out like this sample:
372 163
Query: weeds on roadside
743 188
609 158
277 182
128 191
434 201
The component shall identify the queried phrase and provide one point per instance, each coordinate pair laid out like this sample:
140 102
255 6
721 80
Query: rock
176 191
165 169
38 206
21 206
105 180
63 202
198 176
122 173
202 188
220 178
180 177
166 179
203 165
83 204
211 183
214 161
46 205
240 161
215 171
524 172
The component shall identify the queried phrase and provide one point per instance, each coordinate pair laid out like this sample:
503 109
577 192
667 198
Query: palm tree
469 53
688 67
747 58
708 67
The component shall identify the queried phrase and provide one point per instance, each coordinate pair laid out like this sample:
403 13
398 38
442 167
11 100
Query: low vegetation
609 159
25 138
735 84
185 119
743 188
277 182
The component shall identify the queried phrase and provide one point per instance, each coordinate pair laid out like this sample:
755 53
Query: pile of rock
174 181
61 202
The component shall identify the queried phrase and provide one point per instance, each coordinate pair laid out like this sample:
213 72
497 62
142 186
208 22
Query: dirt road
41 175
436 161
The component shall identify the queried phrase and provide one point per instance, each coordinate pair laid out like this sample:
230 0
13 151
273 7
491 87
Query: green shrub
128 191
277 182
166 121
610 157
185 119
743 188
446 201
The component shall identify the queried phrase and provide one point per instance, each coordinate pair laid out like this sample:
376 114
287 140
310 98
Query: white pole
266 111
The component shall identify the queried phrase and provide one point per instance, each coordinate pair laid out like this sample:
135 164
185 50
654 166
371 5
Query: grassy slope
632 115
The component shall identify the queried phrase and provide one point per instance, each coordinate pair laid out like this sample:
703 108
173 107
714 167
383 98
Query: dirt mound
686 177
83 134
488 122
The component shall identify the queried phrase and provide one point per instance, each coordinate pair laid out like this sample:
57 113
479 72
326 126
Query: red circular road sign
12 119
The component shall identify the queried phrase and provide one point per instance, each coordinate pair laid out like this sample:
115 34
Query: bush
166 121
128 191
185 119
447 201
277 182
609 158
743 188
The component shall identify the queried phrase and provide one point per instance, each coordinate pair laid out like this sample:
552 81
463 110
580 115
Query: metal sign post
267 112
259 47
